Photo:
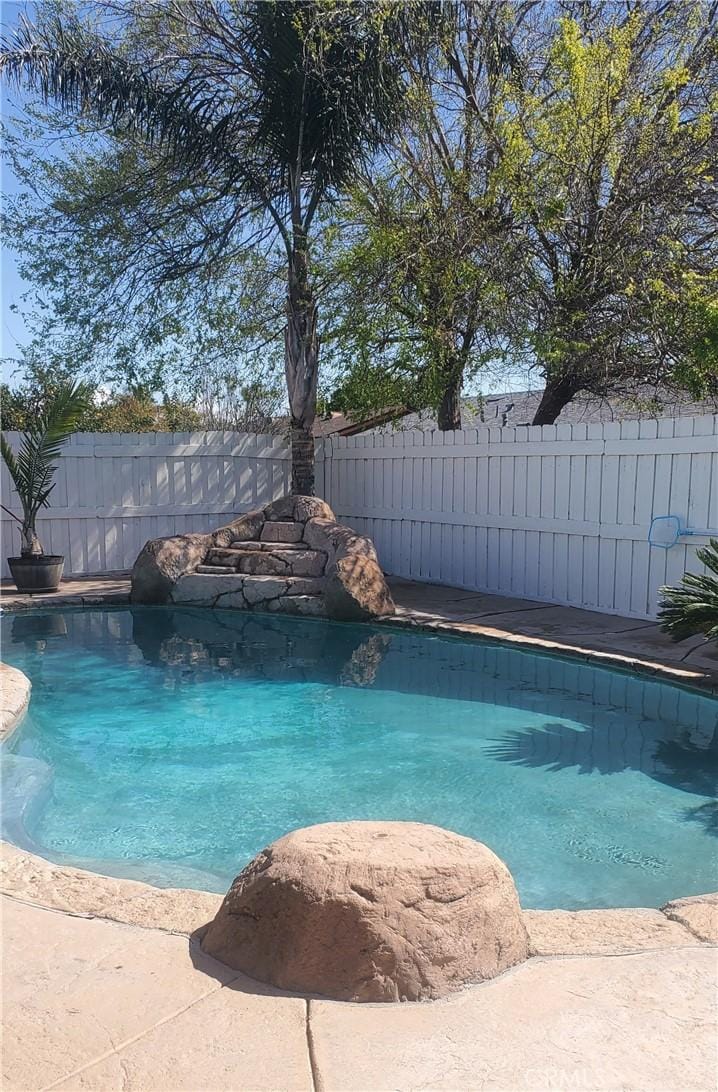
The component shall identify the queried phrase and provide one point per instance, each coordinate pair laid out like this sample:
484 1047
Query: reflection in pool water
171 744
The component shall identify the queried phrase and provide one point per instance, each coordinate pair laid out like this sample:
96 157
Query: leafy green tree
23 403
692 606
137 411
260 111
550 206
14 407
421 288
608 153
687 331
132 410
95 306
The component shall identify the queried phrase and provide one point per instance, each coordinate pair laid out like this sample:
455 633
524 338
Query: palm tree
32 469
692 606
269 106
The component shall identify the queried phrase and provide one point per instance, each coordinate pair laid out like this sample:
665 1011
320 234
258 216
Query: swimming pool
170 745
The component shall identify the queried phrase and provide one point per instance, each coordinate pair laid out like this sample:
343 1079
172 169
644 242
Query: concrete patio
98 1005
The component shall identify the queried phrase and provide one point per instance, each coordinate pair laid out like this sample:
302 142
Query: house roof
519 407
338 424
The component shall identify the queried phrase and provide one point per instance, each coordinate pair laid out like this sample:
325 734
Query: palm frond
692 606
327 87
313 89
81 71
9 459
33 467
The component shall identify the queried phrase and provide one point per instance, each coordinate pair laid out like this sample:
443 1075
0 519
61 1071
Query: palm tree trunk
30 545
302 440
301 364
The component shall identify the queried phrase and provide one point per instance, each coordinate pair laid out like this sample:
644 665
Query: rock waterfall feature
291 557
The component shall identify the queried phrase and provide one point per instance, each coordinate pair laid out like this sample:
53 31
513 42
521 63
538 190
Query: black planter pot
37 574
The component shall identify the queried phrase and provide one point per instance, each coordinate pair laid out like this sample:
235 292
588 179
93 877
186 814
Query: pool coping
15 688
702 680
29 878
699 682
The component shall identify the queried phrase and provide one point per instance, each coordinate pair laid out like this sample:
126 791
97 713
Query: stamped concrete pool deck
96 1005
105 988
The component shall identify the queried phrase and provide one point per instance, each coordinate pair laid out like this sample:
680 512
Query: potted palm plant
32 469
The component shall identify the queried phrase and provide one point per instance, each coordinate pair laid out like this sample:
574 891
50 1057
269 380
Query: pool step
249 545
237 590
298 604
279 531
284 560
268 587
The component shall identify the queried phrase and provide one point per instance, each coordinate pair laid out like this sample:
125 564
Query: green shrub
692 606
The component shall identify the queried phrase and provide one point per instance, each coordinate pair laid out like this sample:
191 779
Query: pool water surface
170 745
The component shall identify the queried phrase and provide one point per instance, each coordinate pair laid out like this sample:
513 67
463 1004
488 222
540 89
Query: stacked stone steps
276 572
259 587
258 547
281 560
281 531
288 594
226 559
291 556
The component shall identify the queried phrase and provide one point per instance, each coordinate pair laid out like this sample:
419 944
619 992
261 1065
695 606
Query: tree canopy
551 201
610 152
498 185
422 279
252 115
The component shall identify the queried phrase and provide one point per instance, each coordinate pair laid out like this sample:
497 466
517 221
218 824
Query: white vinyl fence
556 513
116 490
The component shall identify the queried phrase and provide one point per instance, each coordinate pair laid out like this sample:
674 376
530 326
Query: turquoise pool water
171 745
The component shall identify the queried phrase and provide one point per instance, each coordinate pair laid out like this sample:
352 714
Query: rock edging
71 890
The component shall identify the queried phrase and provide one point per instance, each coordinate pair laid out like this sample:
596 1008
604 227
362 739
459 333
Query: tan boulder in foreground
366 911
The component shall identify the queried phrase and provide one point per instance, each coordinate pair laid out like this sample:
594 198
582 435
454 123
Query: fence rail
554 513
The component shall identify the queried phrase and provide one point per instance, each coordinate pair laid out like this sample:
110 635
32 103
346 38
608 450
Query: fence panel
558 513
116 490
555 513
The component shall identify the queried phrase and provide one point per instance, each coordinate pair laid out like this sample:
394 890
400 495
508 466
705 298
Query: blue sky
12 330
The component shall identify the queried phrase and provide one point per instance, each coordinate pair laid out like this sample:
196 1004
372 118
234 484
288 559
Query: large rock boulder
327 569
366 911
355 585
161 563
